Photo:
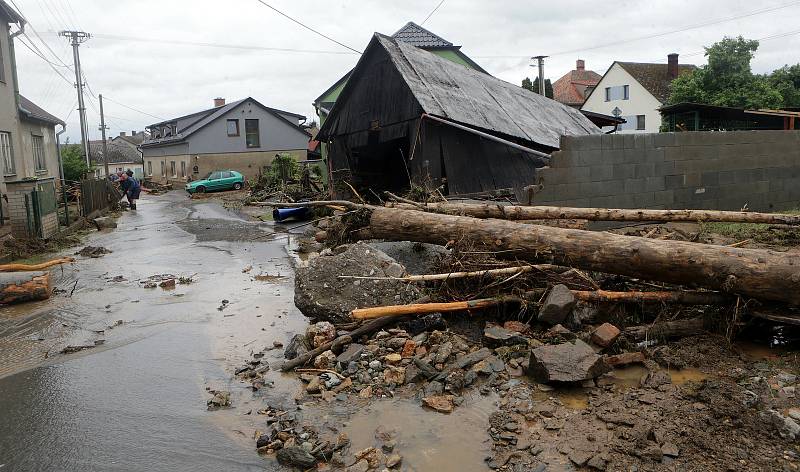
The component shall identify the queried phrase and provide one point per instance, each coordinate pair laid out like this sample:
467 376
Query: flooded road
136 401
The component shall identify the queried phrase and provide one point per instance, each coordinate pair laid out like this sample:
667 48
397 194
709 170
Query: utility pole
77 38
103 129
540 59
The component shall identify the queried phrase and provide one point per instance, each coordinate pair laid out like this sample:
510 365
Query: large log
678 297
756 273
515 212
667 329
18 287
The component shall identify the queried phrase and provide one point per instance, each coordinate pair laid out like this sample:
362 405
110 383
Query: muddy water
428 441
137 400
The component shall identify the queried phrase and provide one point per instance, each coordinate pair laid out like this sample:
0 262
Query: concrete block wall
709 170
19 216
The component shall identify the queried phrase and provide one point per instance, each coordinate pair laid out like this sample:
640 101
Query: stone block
653 184
642 170
663 139
726 177
605 335
629 141
634 185
664 198
709 178
674 181
590 157
691 180
557 305
623 171
601 172
644 200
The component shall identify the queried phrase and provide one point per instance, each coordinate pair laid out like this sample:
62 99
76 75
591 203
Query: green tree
727 79
787 81
534 86
74 163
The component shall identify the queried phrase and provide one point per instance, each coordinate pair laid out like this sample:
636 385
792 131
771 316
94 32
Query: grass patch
758 232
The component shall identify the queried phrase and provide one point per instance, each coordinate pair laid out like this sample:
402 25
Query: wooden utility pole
77 38
103 129
540 60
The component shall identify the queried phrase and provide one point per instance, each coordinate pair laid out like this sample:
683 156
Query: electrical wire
431 13
133 109
664 33
306 26
52 66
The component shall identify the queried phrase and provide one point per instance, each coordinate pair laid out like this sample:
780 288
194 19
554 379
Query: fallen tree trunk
681 298
667 329
518 212
30 267
24 287
756 273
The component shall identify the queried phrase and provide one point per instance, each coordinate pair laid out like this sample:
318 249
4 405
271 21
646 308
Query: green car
217 180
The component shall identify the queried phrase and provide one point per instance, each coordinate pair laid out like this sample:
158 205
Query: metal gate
40 203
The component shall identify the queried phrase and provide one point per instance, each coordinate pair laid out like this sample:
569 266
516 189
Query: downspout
14 77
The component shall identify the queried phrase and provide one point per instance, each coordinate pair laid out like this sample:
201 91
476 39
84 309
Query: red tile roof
570 89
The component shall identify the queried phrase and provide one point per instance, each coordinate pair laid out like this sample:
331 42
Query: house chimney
672 66
122 133
219 102
580 64
134 132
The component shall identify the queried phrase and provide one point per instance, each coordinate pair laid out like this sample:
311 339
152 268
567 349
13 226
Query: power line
431 13
686 28
765 38
306 26
134 109
52 66
115 37
665 33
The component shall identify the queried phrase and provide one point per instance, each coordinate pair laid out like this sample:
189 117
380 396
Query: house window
7 153
233 127
640 122
172 169
251 133
183 168
150 168
620 92
163 168
38 153
2 67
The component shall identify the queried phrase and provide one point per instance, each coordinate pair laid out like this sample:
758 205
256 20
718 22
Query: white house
635 91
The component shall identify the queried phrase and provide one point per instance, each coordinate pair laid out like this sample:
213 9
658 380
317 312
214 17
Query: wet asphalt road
136 402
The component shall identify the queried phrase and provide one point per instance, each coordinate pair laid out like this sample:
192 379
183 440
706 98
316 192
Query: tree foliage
534 86
74 162
727 80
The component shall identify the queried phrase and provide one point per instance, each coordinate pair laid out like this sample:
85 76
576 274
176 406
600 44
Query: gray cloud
167 80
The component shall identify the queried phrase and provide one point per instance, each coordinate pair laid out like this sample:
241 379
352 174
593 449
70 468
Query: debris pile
550 334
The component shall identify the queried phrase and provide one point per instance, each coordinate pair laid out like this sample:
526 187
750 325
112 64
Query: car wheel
200 189
237 186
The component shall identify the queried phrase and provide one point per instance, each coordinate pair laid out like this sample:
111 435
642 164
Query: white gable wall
640 101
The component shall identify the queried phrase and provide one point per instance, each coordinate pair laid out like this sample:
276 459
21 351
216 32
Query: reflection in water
429 441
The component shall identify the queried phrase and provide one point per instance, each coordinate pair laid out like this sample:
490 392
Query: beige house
244 136
27 132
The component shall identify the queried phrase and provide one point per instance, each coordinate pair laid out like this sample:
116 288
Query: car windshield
208 176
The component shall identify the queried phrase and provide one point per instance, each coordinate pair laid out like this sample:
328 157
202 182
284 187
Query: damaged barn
409 116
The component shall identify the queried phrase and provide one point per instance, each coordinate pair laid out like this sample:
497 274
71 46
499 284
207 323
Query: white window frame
37 145
7 153
644 122
618 92
163 168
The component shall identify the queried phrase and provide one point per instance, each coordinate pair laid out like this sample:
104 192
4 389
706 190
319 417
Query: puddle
428 441
758 352
574 398
687 374
628 377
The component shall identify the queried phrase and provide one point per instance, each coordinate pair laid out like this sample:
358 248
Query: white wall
640 101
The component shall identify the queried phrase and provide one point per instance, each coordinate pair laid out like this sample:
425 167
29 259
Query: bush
283 169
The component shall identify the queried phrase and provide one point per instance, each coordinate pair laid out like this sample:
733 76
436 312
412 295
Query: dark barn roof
418 36
458 93
32 111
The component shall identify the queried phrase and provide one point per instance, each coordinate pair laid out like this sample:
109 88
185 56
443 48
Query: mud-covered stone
296 347
297 457
567 362
495 336
557 305
320 333
321 294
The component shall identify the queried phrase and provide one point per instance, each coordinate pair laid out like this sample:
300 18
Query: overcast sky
133 58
